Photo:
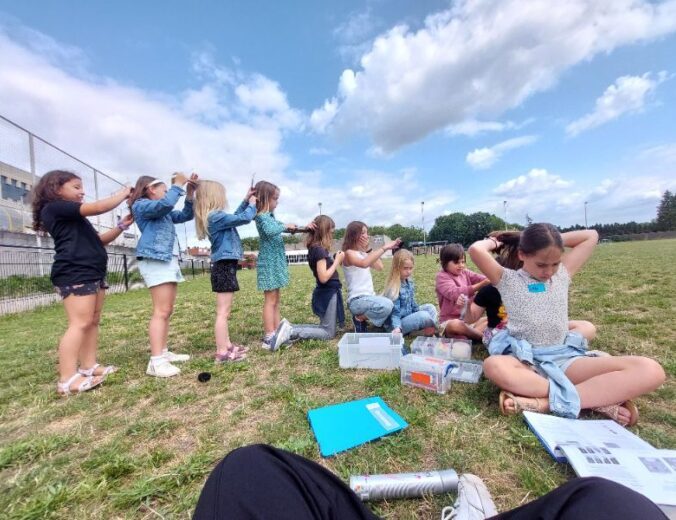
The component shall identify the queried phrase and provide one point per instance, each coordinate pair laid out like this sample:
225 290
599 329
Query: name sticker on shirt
536 287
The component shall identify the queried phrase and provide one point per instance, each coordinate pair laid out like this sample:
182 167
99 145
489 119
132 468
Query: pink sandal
88 372
88 383
612 411
229 356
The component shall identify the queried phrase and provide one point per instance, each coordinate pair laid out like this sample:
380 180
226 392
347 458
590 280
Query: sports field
141 447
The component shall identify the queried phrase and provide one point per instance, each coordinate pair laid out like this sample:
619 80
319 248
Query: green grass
142 447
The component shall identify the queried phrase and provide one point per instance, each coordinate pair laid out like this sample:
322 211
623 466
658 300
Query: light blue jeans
425 316
376 308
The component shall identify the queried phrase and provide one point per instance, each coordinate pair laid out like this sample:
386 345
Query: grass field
141 447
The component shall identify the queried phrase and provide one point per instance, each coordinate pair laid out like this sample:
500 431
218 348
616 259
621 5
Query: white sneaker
474 502
282 334
175 358
164 369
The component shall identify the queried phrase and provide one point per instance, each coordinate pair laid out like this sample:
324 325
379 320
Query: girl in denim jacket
153 208
407 316
226 250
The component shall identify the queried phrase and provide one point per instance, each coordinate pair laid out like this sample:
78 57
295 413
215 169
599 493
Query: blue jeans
425 317
376 308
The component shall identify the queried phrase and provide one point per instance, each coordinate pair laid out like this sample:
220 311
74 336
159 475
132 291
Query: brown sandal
612 411
518 406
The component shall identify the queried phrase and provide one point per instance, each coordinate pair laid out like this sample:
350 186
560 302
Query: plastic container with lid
370 350
427 372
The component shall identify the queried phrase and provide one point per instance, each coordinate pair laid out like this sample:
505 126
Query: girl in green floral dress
272 271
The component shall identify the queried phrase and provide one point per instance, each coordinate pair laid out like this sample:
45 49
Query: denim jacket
222 230
405 304
156 219
563 397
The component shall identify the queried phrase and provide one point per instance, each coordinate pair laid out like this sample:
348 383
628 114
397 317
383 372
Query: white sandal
89 372
88 383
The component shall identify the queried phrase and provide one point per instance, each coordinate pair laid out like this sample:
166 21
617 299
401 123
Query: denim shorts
563 362
157 272
80 289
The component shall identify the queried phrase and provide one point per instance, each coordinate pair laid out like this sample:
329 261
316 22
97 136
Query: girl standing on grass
78 272
455 286
272 272
361 298
538 363
212 221
327 298
407 316
153 208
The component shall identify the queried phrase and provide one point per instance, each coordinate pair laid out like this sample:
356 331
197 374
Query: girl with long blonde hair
407 316
213 222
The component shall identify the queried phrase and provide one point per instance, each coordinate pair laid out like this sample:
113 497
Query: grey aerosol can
403 485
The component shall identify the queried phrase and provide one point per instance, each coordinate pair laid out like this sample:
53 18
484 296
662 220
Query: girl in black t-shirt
327 299
78 272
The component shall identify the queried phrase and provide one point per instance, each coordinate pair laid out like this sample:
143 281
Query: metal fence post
126 273
192 265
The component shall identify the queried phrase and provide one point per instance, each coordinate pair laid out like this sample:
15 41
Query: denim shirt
405 304
222 230
156 219
563 397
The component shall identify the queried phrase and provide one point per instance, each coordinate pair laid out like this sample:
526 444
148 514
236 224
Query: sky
370 108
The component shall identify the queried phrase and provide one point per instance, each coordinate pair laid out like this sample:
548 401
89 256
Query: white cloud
536 181
480 58
472 127
627 95
483 158
354 34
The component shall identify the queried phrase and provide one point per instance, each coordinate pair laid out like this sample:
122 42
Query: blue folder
339 427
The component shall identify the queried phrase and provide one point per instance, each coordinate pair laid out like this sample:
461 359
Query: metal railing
25 270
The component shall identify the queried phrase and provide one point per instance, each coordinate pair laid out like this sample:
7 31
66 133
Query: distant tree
406 233
465 229
666 212
250 243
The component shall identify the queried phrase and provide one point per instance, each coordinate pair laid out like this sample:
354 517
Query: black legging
261 482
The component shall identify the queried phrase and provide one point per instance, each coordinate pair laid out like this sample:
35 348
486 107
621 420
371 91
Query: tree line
465 229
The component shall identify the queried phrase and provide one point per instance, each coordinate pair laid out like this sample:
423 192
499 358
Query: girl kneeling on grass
538 363
327 298
361 298
407 316
455 286
78 271
226 250
153 208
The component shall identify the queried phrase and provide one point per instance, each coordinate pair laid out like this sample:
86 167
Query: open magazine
649 472
606 449
555 432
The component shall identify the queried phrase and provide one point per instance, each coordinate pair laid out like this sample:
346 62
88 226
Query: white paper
649 472
558 431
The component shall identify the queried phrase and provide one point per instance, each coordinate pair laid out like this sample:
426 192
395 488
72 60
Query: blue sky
367 106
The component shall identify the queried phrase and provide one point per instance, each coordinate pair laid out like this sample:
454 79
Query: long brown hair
140 189
46 190
322 235
529 241
264 192
352 233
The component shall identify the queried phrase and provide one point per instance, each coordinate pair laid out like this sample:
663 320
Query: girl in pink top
455 286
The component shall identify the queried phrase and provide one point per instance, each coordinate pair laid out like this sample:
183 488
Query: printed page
558 431
649 472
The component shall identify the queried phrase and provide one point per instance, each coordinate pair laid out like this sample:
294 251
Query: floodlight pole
422 217
320 208
585 215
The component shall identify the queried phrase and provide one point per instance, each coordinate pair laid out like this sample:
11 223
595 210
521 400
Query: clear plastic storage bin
444 348
467 371
370 350
426 372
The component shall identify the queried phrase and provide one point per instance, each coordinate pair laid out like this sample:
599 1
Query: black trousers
261 482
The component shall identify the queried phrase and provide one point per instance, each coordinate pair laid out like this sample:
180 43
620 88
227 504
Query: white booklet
555 432
649 472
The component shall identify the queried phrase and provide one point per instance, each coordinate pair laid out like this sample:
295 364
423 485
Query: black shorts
224 276
81 289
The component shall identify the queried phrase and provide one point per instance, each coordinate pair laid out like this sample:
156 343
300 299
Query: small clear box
370 350
467 371
427 372
444 348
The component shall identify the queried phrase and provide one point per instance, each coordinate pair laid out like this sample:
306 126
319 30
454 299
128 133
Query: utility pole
504 207
422 217
320 208
585 215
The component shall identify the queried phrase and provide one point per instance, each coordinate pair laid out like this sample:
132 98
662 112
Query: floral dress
272 271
